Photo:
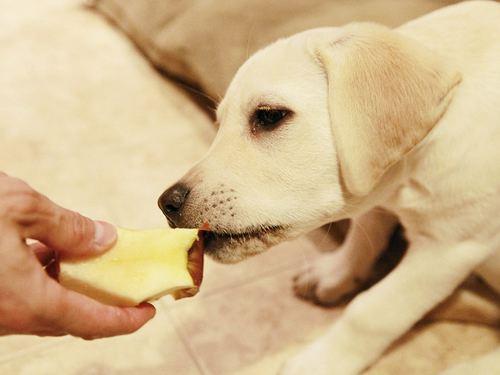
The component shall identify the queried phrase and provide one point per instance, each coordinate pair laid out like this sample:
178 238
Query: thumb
65 231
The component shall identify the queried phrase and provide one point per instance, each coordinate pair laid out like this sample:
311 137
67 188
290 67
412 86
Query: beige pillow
204 42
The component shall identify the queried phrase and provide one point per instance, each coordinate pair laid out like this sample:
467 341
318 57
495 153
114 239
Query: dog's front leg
334 275
427 275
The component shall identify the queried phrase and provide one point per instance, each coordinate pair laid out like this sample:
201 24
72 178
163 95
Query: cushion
204 42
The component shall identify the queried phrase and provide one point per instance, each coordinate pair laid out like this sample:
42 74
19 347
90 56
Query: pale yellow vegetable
143 265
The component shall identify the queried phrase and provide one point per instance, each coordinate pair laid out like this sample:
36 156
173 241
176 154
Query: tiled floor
236 328
156 349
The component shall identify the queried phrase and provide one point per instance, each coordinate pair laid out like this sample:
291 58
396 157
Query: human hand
31 302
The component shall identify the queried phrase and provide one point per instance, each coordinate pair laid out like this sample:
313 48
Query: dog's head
308 128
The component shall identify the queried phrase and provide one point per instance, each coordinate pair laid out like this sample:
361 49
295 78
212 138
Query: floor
86 120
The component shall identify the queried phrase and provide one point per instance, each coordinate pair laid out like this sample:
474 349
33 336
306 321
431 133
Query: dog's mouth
215 241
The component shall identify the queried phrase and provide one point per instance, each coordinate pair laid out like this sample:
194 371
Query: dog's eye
268 118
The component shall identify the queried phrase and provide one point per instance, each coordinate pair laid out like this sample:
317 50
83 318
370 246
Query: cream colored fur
387 125
386 93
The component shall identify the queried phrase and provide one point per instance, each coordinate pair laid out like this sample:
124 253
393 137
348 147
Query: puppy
377 125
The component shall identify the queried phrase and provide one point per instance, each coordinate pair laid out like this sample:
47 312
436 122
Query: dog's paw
327 280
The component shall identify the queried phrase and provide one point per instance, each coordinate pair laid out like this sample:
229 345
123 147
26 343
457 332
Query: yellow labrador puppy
372 124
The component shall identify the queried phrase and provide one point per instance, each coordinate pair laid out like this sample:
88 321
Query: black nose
172 201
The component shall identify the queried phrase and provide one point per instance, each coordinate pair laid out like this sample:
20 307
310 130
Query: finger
84 317
60 229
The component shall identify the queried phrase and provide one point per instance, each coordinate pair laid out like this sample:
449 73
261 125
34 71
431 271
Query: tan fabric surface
86 120
208 40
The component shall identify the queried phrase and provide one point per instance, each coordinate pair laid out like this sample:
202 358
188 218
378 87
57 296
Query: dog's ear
386 92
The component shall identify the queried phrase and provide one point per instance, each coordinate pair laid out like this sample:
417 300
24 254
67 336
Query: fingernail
104 235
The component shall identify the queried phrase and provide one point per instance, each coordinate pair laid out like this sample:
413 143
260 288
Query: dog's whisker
325 235
368 237
196 91
249 37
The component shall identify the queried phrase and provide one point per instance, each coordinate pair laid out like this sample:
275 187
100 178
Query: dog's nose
171 202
